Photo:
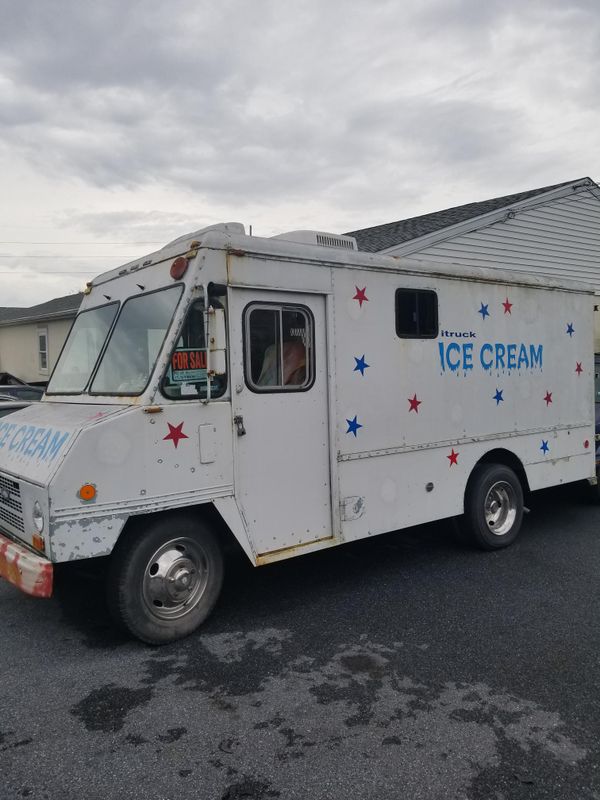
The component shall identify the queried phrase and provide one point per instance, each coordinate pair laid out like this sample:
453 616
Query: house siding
561 238
19 348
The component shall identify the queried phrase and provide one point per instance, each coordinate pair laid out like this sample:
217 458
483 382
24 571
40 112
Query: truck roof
298 246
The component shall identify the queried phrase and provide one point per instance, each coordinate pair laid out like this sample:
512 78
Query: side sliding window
279 349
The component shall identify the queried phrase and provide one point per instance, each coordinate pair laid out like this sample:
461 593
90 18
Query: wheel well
206 511
508 459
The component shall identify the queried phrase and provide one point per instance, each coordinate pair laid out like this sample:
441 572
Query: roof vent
319 238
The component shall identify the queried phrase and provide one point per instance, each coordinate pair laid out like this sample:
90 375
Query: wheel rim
500 508
175 578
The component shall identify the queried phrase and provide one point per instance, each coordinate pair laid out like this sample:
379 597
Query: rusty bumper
25 570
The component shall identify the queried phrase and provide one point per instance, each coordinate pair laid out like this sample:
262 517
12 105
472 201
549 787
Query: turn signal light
87 491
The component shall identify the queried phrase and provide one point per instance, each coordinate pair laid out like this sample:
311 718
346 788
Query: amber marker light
38 542
87 491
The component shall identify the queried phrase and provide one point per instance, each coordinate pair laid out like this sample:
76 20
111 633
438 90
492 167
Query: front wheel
493 507
164 579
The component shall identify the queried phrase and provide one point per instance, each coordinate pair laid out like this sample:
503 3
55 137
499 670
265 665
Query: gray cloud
354 113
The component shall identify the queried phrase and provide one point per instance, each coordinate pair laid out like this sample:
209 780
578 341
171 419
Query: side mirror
217 340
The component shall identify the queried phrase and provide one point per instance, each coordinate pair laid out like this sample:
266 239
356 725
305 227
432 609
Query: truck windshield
81 350
135 342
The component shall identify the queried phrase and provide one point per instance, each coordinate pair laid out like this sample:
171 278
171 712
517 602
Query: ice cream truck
290 394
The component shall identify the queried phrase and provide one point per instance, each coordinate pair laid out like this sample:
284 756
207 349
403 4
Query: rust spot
295 550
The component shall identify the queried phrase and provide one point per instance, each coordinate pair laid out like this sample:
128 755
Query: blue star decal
544 448
498 396
361 365
484 311
570 328
353 426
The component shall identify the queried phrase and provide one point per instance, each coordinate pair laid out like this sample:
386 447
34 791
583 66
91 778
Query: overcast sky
135 122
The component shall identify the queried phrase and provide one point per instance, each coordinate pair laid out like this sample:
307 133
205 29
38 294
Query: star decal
484 311
507 306
353 426
175 434
544 448
579 368
361 365
548 398
453 457
570 329
414 404
498 396
361 296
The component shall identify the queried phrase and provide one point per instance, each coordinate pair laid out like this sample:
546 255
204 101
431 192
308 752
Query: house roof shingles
380 237
59 307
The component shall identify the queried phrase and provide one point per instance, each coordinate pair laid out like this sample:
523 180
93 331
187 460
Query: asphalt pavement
404 666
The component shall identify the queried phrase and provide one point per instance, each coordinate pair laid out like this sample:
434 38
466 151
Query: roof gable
392 234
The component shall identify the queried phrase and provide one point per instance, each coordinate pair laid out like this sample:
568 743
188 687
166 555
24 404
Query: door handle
238 421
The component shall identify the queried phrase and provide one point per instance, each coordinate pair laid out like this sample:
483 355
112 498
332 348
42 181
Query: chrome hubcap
500 508
175 578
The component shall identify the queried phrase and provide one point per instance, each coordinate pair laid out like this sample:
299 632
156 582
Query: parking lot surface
404 666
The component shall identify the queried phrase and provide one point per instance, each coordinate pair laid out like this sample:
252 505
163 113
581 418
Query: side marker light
87 491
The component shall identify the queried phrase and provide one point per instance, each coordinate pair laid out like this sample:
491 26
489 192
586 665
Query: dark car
22 392
7 379
9 404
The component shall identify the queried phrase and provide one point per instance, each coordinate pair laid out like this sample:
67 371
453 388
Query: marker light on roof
179 267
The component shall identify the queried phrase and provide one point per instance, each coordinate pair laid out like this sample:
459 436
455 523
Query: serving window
416 314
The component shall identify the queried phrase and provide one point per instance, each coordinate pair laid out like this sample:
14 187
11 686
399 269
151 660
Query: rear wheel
164 579
493 507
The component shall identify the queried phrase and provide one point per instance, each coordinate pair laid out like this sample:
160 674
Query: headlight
38 517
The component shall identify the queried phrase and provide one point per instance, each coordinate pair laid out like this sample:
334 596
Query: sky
125 125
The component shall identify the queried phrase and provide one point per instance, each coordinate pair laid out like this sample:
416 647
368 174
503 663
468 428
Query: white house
31 338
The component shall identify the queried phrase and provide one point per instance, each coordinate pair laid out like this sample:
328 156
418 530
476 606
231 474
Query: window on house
416 314
279 348
43 349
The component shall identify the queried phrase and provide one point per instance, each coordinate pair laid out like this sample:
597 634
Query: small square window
416 314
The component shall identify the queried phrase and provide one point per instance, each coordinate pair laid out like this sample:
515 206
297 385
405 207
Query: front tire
164 579
493 507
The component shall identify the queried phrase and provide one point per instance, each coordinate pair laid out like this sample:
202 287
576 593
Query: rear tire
493 507
164 578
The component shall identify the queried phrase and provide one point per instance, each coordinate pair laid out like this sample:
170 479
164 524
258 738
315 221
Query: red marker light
178 268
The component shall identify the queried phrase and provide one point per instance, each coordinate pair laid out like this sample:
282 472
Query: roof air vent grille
334 241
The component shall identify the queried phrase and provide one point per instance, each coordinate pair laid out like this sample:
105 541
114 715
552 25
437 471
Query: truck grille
11 509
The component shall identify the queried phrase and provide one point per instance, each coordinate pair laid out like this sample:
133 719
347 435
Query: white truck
294 394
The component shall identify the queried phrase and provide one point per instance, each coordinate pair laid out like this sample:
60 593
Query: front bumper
25 570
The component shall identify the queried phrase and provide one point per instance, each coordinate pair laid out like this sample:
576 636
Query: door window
187 375
279 348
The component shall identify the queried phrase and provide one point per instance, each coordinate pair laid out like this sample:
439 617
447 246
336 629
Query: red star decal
548 398
579 368
507 306
453 457
414 404
361 296
175 434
